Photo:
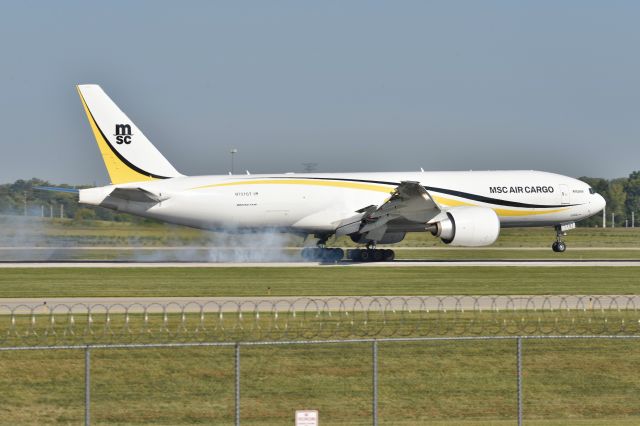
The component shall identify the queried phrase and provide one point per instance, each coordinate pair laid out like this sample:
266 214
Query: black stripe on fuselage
115 151
460 194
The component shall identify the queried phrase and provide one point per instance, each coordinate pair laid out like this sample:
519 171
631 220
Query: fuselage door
565 198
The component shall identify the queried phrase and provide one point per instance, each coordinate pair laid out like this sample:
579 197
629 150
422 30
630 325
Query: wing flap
410 201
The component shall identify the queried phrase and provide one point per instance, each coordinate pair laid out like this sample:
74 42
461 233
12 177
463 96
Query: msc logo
123 134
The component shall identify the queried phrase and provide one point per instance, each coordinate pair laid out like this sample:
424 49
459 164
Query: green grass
315 281
469 383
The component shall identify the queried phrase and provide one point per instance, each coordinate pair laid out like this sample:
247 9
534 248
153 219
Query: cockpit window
592 191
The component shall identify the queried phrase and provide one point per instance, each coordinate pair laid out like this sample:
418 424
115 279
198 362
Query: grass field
467 383
312 281
471 383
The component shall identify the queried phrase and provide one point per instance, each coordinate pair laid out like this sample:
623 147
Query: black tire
338 254
325 255
562 247
554 247
315 254
353 255
378 255
389 255
305 253
365 256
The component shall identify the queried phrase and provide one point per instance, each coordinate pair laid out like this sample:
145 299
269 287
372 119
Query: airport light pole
233 151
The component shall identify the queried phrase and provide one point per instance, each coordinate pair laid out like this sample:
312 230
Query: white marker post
307 418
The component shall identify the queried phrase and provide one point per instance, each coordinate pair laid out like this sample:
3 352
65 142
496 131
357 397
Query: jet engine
468 226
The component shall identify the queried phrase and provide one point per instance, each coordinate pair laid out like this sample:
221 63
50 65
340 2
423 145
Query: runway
301 264
313 304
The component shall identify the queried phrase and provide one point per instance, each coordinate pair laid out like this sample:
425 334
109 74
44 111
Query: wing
410 202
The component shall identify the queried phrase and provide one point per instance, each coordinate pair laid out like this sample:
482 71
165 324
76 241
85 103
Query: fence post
87 385
519 363
375 382
237 368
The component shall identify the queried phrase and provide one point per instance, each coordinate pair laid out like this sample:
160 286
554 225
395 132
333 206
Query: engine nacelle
387 238
468 226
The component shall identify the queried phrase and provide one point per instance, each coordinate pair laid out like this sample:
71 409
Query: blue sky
352 86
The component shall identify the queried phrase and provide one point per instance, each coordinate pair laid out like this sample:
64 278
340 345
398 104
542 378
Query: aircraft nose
598 202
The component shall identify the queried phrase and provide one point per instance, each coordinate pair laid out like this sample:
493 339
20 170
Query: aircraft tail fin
128 155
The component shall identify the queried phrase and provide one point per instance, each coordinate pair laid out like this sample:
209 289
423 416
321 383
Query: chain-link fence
365 360
352 381
276 319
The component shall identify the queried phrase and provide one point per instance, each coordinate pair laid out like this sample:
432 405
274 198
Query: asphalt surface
314 304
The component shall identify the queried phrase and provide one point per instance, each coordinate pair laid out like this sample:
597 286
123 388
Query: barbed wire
317 318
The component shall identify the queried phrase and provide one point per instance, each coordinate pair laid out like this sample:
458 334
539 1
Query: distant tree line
20 198
623 199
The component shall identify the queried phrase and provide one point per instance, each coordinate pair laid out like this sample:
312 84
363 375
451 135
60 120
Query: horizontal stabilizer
57 189
137 194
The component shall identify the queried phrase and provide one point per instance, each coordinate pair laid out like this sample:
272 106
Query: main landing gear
371 254
559 246
322 253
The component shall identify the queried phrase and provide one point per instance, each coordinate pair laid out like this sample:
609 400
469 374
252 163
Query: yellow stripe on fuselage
448 202
310 182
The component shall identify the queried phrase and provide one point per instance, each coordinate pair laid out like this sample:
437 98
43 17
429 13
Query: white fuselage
316 203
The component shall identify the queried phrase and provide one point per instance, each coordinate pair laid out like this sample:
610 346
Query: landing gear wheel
306 253
371 255
338 254
378 255
354 255
314 254
365 255
389 255
559 247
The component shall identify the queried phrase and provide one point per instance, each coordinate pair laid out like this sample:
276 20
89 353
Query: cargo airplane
465 208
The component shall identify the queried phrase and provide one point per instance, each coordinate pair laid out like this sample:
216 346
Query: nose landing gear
559 245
